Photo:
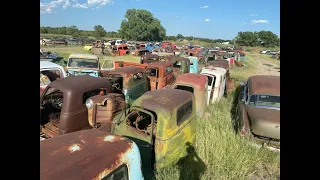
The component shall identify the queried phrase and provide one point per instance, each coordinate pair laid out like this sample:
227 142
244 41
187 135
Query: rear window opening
142 122
185 88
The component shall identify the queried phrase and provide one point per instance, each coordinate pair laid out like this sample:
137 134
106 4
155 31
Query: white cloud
84 6
207 20
259 22
254 14
204 7
48 7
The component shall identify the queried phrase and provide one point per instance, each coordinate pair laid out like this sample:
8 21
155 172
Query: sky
213 19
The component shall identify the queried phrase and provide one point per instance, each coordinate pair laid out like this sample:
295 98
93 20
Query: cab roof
163 99
87 56
198 80
81 155
213 70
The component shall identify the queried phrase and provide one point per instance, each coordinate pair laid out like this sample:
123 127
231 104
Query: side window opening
252 101
91 93
142 122
151 72
137 77
184 112
121 173
169 69
186 88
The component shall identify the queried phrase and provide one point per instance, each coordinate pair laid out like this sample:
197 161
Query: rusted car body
163 52
149 58
259 110
132 82
161 122
89 154
120 50
196 84
217 80
87 64
220 63
159 73
52 72
62 104
180 65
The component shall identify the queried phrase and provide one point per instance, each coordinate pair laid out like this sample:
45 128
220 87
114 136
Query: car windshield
268 100
83 63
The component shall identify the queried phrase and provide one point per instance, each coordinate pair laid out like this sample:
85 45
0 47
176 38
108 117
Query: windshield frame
85 59
256 102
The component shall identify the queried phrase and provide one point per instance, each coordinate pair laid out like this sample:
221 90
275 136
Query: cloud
207 20
48 7
204 7
259 22
84 6
254 14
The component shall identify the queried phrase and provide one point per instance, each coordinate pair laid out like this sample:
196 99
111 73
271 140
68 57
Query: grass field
220 153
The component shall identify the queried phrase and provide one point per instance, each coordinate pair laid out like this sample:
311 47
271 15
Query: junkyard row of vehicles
114 116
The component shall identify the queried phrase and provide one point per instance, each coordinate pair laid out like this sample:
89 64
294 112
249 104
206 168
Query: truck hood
265 122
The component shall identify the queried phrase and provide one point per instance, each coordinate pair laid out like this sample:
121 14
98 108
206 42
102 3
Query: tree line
140 25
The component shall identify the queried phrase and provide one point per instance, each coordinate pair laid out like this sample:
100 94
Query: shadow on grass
191 167
233 110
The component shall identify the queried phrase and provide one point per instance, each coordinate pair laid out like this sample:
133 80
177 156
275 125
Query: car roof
126 70
198 80
48 64
79 84
82 155
213 70
163 100
79 55
264 84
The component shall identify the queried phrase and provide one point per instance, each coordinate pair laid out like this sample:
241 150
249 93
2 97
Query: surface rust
81 155
264 84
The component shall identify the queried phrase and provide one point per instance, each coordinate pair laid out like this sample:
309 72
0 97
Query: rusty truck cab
90 154
180 65
132 82
196 84
62 104
162 123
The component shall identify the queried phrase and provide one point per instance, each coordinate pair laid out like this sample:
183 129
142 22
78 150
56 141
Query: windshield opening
83 63
268 101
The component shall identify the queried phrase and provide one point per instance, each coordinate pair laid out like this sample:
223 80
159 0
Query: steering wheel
138 119
57 103
116 85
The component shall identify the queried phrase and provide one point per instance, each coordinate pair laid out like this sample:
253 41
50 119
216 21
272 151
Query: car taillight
243 131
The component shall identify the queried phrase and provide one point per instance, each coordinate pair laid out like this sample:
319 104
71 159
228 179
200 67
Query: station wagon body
62 104
196 84
217 78
90 154
161 122
259 110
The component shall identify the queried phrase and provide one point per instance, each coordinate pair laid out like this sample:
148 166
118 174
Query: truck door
152 74
137 127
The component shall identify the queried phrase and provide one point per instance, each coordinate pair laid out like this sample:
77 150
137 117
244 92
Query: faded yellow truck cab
161 122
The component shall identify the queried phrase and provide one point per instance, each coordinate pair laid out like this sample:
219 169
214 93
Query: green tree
247 39
269 38
180 36
140 25
72 30
99 32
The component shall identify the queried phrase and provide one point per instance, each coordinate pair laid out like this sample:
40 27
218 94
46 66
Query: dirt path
267 66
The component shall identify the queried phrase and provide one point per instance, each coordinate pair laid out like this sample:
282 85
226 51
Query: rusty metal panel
264 84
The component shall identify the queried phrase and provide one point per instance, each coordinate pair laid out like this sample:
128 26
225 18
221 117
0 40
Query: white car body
217 86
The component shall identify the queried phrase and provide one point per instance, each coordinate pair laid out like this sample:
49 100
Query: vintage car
229 57
159 73
87 64
161 122
132 82
47 56
220 63
193 64
120 50
196 84
50 72
149 58
90 154
217 80
87 47
163 52
62 104
180 65
258 110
